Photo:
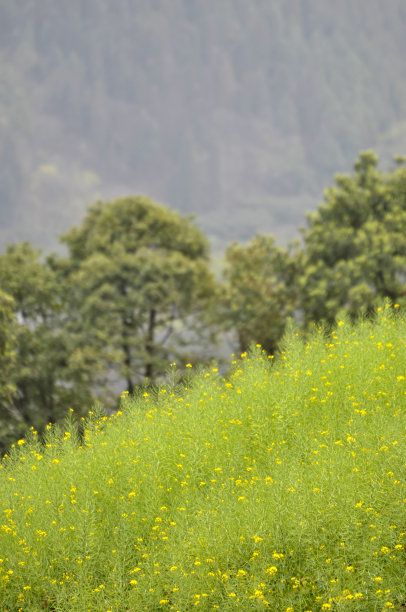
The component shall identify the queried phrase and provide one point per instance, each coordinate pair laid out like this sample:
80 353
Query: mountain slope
238 112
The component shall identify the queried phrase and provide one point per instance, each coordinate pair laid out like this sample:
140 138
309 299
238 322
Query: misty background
237 111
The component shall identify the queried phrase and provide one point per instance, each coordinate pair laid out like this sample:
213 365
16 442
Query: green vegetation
280 485
135 292
7 354
44 375
352 256
354 247
137 273
260 291
280 488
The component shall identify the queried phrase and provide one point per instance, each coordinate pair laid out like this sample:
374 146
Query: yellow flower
241 573
276 555
256 538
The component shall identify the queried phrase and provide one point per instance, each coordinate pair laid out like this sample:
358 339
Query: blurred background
238 112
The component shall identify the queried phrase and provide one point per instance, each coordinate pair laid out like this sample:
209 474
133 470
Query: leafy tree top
260 291
140 280
355 250
134 223
31 283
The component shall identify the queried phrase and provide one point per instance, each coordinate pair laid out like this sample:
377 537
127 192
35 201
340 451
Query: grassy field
281 487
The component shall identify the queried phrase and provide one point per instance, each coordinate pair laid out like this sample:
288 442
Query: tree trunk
150 344
127 358
127 362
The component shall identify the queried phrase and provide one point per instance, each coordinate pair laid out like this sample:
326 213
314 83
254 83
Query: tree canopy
354 246
260 291
43 374
7 352
140 284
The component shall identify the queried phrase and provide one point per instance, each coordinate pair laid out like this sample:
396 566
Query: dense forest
238 112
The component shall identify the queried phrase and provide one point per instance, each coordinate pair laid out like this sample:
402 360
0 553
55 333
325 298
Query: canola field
279 487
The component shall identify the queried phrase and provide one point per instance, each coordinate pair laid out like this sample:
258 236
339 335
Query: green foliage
7 361
260 291
354 246
43 375
139 285
280 488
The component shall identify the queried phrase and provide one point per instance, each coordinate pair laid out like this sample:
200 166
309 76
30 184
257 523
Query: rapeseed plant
281 487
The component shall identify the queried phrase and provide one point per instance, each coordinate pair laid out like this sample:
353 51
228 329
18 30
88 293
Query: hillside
239 112
279 488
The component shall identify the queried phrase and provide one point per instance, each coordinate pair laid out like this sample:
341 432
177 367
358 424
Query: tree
260 291
7 347
7 364
139 284
45 377
354 246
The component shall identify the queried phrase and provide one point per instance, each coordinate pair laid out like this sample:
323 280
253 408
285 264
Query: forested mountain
239 112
